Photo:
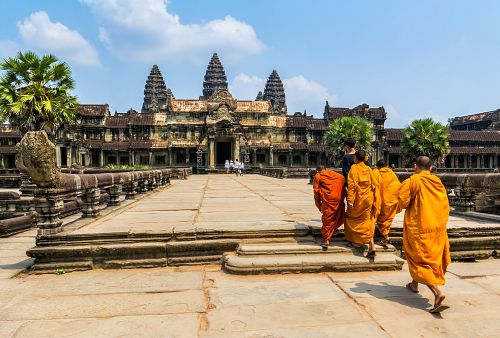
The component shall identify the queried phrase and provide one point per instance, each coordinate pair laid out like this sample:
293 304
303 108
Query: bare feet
412 286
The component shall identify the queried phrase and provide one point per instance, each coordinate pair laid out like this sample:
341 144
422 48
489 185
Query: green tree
425 138
353 127
35 92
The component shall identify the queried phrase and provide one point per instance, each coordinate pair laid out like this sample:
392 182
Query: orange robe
389 187
425 240
363 193
329 194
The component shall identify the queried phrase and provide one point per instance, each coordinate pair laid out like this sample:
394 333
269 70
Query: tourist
329 194
237 167
231 166
425 239
226 166
389 186
242 168
348 159
363 204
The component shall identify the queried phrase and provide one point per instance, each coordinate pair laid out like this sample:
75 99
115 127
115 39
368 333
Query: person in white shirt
237 167
226 166
231 166
242 168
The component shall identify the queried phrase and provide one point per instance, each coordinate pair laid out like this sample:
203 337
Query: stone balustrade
285 172
37 157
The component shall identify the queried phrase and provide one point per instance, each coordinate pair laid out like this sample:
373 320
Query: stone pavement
203 301
224 201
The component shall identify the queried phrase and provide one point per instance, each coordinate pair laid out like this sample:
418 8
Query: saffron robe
329 194
425 239
389 186
363 193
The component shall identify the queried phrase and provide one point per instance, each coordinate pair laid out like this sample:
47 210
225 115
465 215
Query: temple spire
275 92
156 94
259 97
215 78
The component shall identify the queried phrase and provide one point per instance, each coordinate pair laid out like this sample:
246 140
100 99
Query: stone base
302 257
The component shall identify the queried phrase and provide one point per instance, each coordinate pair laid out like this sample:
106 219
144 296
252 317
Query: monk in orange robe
363 204
425 239
329 194
389 187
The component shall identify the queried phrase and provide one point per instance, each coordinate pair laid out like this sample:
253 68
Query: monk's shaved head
360 155
423 163
320 168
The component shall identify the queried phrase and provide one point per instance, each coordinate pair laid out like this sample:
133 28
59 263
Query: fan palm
425 138
35 92
357 128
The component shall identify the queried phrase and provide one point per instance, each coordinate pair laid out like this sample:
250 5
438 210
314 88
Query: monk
329 194
425 240
389 187
363 204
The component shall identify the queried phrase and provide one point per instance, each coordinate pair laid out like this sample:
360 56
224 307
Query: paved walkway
206 302
224 201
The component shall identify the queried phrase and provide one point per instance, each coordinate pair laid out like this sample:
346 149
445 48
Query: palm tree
353 127
425 138
35 92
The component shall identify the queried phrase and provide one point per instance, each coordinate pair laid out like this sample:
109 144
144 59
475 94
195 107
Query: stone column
211 152
2 161
496 162
150 158
306 158
114 194
187 157
490 164
101 158
290 158
254 159
48 205
90 200
130 190
142 186
480 161
271 157
237 148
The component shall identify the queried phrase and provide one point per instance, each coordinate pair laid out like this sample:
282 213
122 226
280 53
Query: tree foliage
353 127
35 92
425 138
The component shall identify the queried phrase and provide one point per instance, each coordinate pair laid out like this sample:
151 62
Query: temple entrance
222 152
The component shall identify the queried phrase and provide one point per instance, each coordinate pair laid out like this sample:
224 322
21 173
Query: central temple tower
215 78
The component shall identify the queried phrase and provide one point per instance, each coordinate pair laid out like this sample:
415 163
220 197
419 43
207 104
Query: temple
216 127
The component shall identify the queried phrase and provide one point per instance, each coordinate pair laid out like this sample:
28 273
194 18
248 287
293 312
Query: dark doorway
223 152
64 157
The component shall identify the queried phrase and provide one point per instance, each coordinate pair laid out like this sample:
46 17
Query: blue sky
416 58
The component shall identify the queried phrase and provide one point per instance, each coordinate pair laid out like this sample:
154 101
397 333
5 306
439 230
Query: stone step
341 262
305 248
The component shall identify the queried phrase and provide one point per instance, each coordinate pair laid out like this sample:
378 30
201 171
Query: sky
418 59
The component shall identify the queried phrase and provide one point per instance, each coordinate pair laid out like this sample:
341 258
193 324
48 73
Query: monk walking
363 204
389 187
425 240
329 194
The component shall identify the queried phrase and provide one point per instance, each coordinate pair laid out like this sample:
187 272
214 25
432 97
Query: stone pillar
254 158
187 157
290 158
490 164
48 206
480 161
130 190
271 157
211 152
114 195
142 186
496 162
101 158
132 157
2 161
91 202
151 158
237 148
306 158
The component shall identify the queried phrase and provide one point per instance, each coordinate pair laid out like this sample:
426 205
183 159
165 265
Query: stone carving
156 94
275 92
215 78
37 157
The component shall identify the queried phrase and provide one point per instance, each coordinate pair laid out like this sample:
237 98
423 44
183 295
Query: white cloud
395 119
103 36
145 30
246 87
38 32
8 48
302 93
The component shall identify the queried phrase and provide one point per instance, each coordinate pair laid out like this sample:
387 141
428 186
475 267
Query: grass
128 167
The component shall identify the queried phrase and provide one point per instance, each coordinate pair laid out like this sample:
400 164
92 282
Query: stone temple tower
156 94
215 78
275 92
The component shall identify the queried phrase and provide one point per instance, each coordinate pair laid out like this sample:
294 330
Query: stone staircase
275 257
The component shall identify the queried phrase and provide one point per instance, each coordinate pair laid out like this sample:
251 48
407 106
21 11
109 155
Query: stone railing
175 172
10 178
37 157
285 172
